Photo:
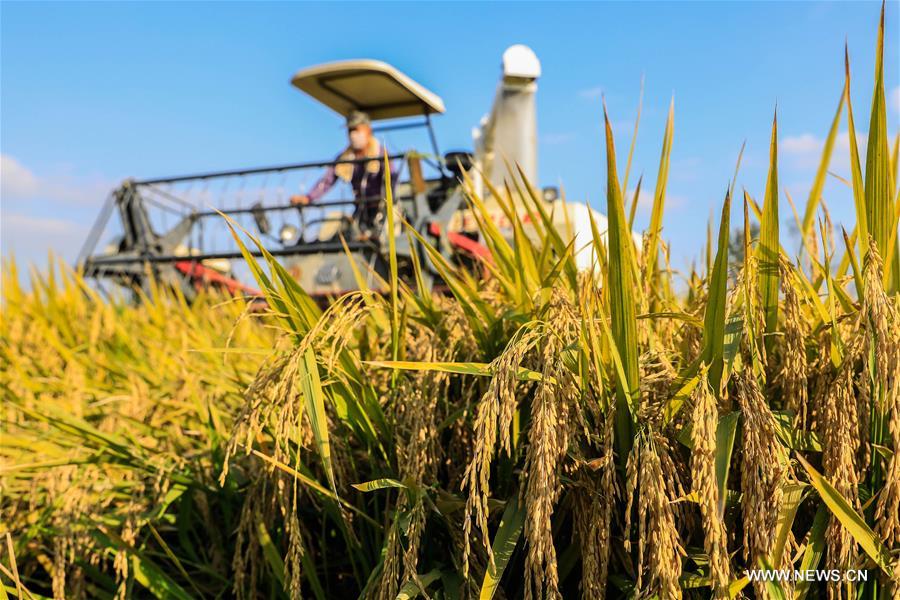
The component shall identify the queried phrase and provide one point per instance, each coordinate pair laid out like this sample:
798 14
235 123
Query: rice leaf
413 588
659 195
684 387
314 403
392 257
503 546
377 484
460 368
815 549
793 437
313 484
735 587
714 320
634 202
851 259
775 589
849 518
792 495
725 433
859 195
622 291
734 332
815 192
879 191
769 246
637 122
270 552
155 580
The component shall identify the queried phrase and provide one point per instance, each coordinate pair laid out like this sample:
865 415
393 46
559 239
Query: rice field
538 432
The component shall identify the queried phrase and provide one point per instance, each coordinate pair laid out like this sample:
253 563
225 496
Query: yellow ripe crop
538 432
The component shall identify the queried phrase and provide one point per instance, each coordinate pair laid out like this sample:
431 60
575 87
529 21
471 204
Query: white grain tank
509 133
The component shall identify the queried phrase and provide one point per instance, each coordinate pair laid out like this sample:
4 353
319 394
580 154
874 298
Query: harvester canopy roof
371 86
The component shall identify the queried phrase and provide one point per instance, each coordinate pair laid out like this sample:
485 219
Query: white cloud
34 208
804 151
19 185
30 225
593 93
645 198
895 99
15 179
802 144
30 237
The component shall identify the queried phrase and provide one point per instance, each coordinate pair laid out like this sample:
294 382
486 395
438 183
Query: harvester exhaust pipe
509 133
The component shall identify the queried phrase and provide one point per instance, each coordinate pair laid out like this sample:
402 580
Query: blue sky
96 92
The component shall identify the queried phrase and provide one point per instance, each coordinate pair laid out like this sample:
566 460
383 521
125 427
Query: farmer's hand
300 199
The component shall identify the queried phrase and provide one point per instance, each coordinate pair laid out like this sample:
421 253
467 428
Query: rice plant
537 432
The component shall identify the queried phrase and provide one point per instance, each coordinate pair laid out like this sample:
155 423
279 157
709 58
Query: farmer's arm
319 189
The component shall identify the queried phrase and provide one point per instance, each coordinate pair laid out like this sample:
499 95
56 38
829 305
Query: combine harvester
167 228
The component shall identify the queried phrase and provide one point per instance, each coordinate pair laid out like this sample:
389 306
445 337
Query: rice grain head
794 368
840 426
763 474
883 340
659 550
705 486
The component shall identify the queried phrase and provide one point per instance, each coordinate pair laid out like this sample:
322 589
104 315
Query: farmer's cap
357 118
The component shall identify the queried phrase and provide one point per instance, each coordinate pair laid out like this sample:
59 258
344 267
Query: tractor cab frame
166 229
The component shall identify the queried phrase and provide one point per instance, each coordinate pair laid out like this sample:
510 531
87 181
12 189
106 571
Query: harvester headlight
287 234
550 193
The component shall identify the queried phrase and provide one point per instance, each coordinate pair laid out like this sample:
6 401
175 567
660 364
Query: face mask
358 139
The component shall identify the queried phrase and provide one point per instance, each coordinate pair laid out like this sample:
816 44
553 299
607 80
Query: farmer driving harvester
366 177
429 196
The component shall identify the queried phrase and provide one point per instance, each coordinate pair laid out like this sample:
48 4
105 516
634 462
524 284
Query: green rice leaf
270 552
634 135
769 246
377 484
879 191
411 589
622 291
792 436
815 549
659 195
725 433
147 573
714 321
849 518
790 501
854 264
313 484
815 192
314 403
735 587
775 589
859 195
503 546
682 390
634 202
155 579
392 258
460 368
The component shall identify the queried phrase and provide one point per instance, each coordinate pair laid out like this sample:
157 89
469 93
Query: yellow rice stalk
703 472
